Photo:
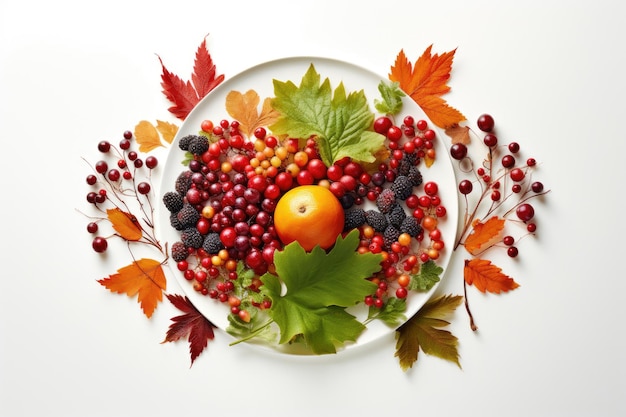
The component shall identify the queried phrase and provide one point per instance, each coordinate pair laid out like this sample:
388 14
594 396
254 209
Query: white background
74 73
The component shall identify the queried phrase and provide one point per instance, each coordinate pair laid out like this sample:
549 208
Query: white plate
260 78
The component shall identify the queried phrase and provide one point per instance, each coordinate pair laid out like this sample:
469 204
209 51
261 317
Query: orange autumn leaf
244 109
125 224
484 235
143 278
425 82
487 277
148 136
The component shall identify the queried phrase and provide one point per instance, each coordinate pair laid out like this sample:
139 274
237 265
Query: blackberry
411 158
396 215
405 165
188 216
173 201
199 145
354 218
411 226
184 142
385 200
390 235
179 251
191 237
402 187
212 243
183 182
174 222
415 176
377 220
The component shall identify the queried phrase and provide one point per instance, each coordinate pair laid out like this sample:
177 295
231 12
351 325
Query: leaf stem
467 308
253 334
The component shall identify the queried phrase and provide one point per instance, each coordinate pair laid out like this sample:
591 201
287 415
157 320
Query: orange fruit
310 215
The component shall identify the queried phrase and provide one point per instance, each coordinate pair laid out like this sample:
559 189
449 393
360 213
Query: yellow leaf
167 130
147 136
125 224
144 278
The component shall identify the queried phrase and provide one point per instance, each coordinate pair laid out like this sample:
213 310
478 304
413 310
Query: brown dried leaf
459 134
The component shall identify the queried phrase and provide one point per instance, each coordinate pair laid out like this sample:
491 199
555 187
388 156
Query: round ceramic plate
260 78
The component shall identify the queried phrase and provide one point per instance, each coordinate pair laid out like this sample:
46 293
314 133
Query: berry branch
502 180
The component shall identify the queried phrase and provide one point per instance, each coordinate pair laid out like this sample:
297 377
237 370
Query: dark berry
376 219
188 216
184 142
183 182
396 215
199 145
212 243
191 237
415 176
390 235
173 201
385 200
411 226
179 251
354 218
402 187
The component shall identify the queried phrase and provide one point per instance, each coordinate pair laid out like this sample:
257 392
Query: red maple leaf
186 94
192 325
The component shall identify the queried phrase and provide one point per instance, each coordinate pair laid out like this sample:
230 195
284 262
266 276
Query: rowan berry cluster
122 176
503 184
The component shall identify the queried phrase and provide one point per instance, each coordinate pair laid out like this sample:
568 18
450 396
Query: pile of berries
502 176
122 174
223 204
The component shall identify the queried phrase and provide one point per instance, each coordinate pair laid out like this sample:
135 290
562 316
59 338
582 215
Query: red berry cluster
119 176
235 182
503 177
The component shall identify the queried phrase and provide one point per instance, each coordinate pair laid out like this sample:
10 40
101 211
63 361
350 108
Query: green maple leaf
340 122
423 331
427 277
314 289
391 95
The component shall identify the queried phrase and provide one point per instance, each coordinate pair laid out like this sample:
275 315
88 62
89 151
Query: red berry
512 251
143 188
431 188
99 244
514 147
485 122
458 151
382 125
525 212
151 162
465 187
490 140
517 174
104 146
